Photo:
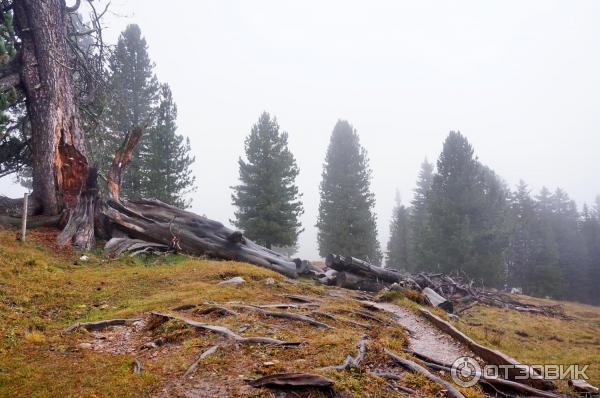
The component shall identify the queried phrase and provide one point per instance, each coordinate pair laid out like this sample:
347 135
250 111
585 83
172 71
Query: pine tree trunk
60 165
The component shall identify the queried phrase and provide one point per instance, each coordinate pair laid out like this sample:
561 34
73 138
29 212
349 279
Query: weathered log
356 282
438 301
222 330
117 246
485 379
360 267
416 368
583 386
492 356
154 221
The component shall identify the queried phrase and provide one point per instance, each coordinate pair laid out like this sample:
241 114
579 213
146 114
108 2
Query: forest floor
44 289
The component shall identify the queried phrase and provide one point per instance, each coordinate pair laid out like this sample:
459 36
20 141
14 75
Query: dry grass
41 293
536 339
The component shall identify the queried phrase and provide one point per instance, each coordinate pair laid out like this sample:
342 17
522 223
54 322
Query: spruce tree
420 257
166 158
532 256
346 223
398 247
267 200
131 100
467 205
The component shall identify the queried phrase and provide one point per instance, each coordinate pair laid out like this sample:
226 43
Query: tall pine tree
131 100
346 223
267 200
397 255
467 207
160 164
420 257
532 256
166 158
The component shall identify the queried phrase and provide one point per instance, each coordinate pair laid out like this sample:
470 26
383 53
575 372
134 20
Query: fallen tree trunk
416 368
154 221
356 282
490 356
360 267
438 301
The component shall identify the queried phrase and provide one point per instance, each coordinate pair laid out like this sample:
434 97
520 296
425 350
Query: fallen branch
99 325
203 355
222 330
416 368
292 380
350 361
287 315
490 356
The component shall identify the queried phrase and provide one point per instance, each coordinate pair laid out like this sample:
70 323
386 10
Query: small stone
453 317
269 363
85 346
269 281
84 258
104 306
238 280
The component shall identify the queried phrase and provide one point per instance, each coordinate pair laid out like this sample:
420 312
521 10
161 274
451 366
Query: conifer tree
420 258
132 97
267 199
398 247
467 214
166 158
532 256
346 223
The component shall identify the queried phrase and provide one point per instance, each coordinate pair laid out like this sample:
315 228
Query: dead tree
64 181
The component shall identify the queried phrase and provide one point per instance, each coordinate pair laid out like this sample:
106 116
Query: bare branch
74 7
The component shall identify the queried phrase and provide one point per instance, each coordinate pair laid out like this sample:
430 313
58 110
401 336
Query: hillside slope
44 289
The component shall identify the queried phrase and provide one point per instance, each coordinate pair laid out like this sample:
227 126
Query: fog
520 79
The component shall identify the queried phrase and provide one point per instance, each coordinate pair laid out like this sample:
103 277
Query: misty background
519 79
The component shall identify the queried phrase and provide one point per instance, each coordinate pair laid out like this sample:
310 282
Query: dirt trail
423 337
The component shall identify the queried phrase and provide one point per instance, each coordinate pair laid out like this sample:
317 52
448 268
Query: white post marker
24 218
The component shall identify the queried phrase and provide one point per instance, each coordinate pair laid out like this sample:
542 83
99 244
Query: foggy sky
520 79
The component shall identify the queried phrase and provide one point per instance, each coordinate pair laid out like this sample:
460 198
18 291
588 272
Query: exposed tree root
216 308
203 355
117 246
184 307
292 380
342 319
350 361
300 298
287 315
161 318
99 325
416 368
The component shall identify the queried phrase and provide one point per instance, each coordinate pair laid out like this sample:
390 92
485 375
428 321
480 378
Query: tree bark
59 159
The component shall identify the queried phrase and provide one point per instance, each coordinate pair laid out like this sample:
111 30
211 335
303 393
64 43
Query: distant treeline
463 217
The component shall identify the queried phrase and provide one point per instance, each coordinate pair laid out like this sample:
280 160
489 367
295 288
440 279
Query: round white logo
466 371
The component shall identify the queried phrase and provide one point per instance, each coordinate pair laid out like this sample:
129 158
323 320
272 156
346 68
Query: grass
536 339
43 290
